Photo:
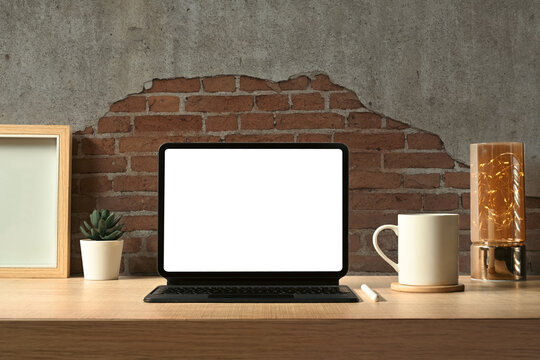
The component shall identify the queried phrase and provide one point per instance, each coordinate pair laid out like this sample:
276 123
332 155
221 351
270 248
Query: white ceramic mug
427 248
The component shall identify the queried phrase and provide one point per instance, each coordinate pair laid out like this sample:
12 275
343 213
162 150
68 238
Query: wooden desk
76 318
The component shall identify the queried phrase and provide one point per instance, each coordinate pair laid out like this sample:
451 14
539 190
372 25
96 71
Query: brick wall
393 168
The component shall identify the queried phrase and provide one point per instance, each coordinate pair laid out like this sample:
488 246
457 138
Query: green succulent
104 226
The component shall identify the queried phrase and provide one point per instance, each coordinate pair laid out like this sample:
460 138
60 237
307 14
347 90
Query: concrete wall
467 71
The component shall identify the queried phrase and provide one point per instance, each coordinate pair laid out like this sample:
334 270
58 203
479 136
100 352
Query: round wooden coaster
426 288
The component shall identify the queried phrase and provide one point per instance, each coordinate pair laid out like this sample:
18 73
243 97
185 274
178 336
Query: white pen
370 293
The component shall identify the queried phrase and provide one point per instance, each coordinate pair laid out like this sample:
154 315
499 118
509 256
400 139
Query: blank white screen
253 210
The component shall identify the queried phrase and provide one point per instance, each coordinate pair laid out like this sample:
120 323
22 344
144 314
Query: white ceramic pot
101 258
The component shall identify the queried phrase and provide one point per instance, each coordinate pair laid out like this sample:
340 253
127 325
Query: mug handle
394 228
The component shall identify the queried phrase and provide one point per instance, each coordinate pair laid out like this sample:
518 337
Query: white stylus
370 293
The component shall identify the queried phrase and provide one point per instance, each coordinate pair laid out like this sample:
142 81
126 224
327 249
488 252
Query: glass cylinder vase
498 211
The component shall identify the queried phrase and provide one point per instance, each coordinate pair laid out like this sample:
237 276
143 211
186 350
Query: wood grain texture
64 191
76 298
426 288
271 339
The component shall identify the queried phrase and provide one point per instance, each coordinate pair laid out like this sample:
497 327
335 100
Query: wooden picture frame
35 188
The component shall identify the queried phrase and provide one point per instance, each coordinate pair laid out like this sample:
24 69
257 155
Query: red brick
460 180
88 130
146 143
364 160
82 204
440 202
260 138
203 139
464 241
466 201
323 83
356 243
128 203
143 265
135 183
144 163
464 222
219 83
393 124
385 141
309 121
360 179
164 103
221 123
311 101
464 264
347 100
371 220
364 120
141 222
177 123
219 104
532 221
272 102
99 165
437 160
130 104
178 85
91 146
462 165
151 244
131 245
75 266
114 124
254 121
75 147
299 83
370 263
386 239
314 138
421 181
95 184
248 83
424 141
532 202
372 201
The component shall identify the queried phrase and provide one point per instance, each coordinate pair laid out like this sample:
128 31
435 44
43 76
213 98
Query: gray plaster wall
465 70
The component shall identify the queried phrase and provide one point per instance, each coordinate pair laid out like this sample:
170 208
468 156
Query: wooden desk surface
109 318
76 298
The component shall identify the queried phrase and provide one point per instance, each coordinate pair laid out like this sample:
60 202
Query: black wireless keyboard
252 294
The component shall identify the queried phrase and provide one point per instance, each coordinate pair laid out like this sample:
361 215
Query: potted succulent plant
102 251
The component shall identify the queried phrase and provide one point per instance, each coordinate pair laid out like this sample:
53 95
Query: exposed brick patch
421 181
98 146
360 179
322 82
135 183
460 180
440 202
130 104
347 100
310 121
418 160
134 144
393 168
219 104
256 121
114 124
179 85
364 120
272 102
299 83
221 123
315 138
424 141
311 101
364 141
219 83
248 83
168 123
144 163
164 103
